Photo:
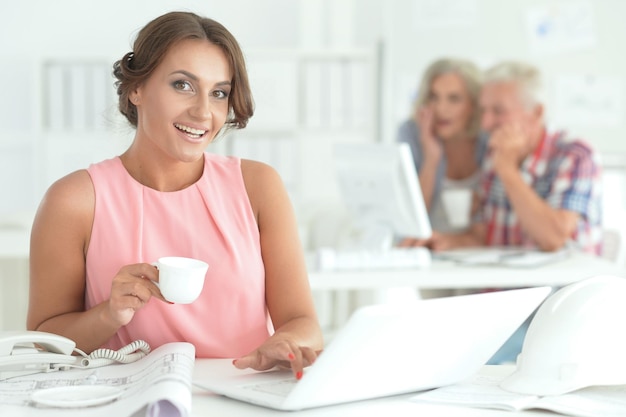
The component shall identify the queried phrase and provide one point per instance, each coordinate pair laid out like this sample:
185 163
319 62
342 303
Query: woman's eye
220 94
181 85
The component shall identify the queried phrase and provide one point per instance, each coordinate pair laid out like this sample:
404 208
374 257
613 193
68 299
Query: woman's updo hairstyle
153 42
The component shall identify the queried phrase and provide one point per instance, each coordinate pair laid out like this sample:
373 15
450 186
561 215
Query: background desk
335 301
448 274
207 404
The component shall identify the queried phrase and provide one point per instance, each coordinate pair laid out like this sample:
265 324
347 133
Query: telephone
28 352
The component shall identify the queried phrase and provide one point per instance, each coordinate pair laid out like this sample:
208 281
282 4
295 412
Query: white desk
208 404
447 274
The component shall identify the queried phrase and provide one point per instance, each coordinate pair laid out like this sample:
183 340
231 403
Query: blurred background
322 71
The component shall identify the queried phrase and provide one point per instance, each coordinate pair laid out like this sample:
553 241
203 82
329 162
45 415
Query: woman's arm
59 241
298 336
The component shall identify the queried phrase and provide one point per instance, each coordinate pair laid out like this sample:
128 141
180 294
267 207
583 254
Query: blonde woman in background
447 147
443 133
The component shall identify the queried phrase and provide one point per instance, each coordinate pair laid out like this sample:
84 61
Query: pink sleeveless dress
210 220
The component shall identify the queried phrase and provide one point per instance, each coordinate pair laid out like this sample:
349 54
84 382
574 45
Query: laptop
386 350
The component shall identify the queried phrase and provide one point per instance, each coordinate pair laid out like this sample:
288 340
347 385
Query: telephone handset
27 352
10 340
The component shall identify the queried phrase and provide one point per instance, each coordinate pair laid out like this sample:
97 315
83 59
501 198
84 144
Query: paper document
158 385
483 391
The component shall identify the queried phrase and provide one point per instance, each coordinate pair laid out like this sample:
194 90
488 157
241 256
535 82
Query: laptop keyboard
280 388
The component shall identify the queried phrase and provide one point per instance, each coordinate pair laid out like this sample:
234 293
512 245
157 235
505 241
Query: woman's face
452 107
184 102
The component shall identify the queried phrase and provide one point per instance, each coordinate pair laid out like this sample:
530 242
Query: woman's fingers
132 288
282 355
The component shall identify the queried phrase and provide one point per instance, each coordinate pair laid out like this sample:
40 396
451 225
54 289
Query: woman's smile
191 134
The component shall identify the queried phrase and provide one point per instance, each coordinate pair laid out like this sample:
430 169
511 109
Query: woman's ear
134 97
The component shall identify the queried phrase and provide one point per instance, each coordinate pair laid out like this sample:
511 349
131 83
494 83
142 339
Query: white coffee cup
181 279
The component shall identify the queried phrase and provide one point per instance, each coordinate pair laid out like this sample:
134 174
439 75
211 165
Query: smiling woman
98 231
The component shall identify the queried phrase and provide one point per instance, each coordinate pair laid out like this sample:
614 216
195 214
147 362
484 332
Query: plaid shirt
565 174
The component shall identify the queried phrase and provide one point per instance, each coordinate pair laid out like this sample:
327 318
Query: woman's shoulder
257 172
77 183
67 208
263 184
483 137
72 192
408 131
482 142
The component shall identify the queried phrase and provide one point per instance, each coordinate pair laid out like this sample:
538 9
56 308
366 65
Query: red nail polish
299 375
291 356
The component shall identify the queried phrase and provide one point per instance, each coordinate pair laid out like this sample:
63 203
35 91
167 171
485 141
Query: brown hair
153 42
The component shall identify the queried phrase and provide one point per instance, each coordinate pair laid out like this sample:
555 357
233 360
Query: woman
98 230
444 136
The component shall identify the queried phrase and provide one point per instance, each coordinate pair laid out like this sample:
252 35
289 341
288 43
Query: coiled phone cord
101 357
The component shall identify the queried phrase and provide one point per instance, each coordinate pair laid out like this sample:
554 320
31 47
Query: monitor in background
380 187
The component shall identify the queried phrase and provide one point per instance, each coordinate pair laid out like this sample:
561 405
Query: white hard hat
576 339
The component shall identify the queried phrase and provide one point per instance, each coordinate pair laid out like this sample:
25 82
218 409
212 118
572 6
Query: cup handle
156 265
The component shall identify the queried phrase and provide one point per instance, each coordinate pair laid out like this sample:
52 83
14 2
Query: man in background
539 189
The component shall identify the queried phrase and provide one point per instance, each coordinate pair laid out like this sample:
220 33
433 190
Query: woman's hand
132 288
436 242
431 146
411 242
278 352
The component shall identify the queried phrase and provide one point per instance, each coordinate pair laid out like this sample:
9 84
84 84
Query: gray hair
527 78
467 71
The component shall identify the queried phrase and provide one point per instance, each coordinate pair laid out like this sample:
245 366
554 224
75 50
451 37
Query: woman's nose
201 108
441 107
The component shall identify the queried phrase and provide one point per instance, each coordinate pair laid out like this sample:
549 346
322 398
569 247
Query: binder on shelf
55 102
362 93
79 96
313 93
101 89
336 97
